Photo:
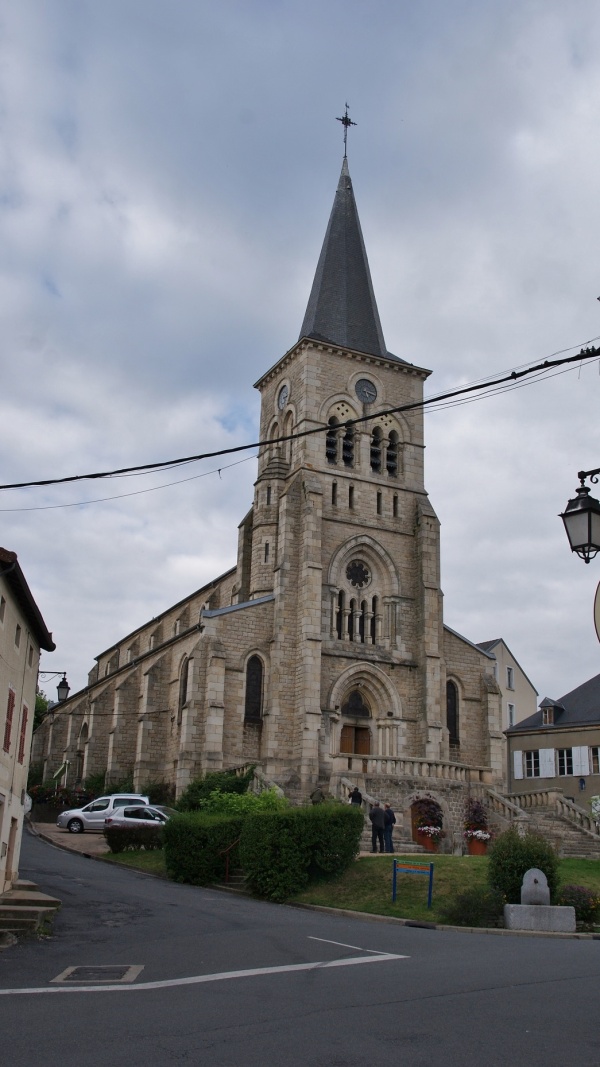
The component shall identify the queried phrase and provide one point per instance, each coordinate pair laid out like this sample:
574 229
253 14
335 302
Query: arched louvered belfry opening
452 712
376 446
331 440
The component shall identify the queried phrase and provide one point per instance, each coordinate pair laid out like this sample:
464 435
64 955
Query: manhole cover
102 973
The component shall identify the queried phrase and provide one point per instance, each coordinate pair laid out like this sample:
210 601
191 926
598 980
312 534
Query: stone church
322 655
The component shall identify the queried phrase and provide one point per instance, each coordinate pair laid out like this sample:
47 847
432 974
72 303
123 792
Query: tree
41 708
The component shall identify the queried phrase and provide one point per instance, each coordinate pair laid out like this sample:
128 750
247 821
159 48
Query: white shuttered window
581 760
518 764
547 763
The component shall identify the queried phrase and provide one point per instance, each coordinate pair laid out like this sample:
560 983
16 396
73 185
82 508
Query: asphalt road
314 990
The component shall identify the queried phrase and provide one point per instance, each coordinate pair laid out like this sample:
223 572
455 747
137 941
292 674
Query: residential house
23 633
558 747
519 696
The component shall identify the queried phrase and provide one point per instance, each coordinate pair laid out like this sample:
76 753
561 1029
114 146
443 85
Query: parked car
155 815
92 816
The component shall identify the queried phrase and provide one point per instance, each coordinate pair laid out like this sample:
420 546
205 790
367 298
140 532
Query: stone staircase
25 910
567 827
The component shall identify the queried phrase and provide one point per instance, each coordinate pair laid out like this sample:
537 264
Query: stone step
30 898
23 885
22 918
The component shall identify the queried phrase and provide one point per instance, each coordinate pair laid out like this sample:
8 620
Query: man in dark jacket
378 824
388 829
356 796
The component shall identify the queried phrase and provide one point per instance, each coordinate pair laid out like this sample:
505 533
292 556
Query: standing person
388 829
378 823
355 796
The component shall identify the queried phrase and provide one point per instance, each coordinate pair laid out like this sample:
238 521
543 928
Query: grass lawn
367 884
151 860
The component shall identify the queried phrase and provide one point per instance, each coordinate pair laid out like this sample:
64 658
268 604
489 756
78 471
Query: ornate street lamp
63 686
582 519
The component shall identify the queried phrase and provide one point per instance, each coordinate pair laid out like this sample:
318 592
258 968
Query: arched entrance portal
355 737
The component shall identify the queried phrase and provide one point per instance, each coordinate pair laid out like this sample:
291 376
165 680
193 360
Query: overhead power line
490 384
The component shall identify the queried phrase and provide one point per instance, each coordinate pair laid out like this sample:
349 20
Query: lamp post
63 686
582 518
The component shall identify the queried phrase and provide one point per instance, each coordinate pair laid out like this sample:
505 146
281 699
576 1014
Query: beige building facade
519 697
22 634
322 654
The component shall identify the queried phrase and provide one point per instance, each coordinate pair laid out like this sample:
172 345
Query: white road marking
358 948
255 972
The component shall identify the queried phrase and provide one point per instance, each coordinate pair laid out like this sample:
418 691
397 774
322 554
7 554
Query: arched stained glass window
254 690
452 712
183 687
355 705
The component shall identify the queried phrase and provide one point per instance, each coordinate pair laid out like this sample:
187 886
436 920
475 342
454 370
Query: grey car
92 815
155 815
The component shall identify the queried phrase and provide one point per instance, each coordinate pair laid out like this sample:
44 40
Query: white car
93 815
155 815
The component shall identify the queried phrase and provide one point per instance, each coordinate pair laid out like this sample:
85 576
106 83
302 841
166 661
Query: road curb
422 925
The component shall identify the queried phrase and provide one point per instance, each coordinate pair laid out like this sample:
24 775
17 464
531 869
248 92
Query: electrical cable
512 377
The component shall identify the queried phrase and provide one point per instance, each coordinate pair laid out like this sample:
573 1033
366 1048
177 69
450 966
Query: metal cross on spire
346 121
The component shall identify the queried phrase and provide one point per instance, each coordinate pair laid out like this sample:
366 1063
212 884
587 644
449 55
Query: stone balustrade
552 799
411 767
500 806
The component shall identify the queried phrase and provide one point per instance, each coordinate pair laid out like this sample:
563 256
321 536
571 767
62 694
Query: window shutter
518 763
547 763
581 760
23 734
10 707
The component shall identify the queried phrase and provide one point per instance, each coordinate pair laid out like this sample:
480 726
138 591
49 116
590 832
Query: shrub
282 851
35 775
428 812
218 803
94 784
511 856
479 906
47 793
585 902
475 816
158 792
195 846
192 798
128 838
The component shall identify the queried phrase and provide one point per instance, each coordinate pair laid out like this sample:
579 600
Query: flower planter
475 847
430 843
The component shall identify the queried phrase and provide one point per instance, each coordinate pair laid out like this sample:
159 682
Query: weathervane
346 121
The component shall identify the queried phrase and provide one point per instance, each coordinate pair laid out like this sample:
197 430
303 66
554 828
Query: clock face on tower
282 399
365 391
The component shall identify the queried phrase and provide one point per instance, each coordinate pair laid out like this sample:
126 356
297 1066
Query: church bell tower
343 533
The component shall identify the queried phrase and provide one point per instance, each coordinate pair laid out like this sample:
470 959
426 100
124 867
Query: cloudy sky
167 172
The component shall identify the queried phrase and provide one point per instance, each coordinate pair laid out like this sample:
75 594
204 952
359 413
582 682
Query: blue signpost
412 868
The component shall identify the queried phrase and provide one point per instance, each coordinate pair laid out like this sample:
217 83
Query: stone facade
22 634
322 654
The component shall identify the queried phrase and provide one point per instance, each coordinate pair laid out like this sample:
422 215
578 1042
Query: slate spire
341 307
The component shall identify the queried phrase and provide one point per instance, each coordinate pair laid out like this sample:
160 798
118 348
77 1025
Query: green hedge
281 852
512 855
127 838
200 789
194 845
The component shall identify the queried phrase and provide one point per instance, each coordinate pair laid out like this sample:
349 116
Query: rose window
358 574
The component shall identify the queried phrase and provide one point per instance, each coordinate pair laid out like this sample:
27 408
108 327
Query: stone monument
535 911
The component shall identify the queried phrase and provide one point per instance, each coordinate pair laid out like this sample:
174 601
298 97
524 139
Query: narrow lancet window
254 690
